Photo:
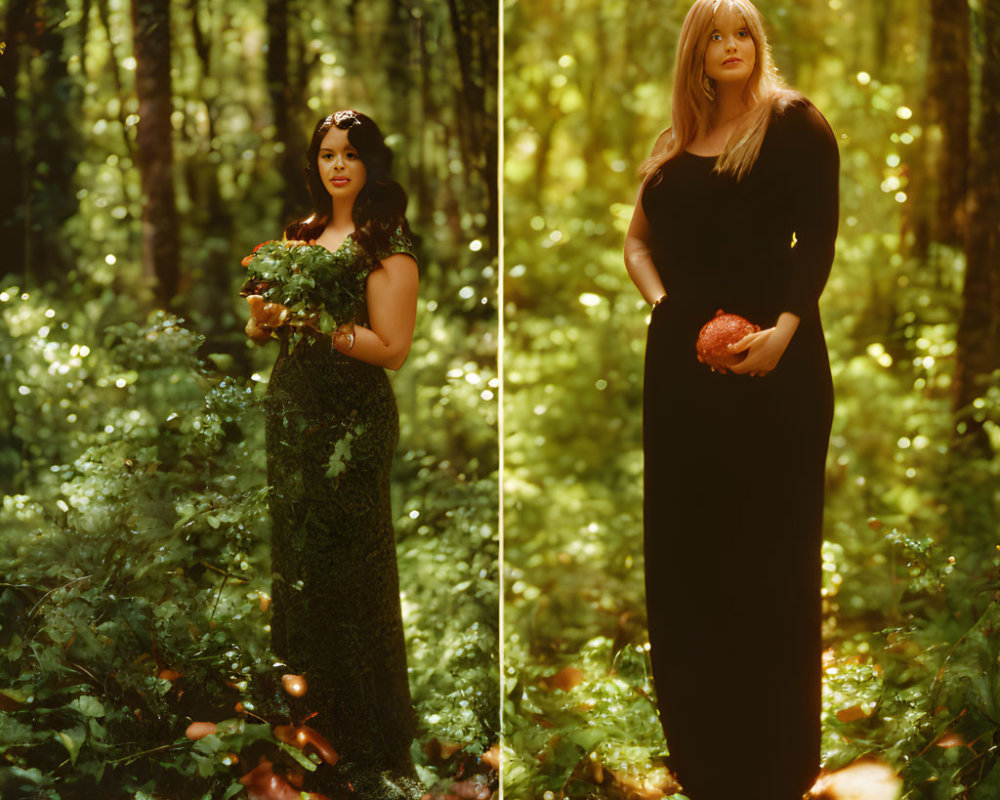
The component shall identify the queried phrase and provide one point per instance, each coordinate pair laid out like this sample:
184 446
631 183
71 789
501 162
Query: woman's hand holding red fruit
765 348
728 342
716 338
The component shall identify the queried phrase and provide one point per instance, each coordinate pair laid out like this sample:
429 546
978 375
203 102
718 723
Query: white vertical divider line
500 374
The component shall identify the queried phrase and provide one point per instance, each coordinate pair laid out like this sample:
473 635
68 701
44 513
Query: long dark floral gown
331 431
734 465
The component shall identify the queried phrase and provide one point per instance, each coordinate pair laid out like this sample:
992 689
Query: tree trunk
948 108
50 189
399 61
13 201
883 15
978 335
215 270
475 32
151 47
422 170
284 99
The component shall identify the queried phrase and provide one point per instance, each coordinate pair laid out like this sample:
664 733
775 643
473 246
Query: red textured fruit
721 331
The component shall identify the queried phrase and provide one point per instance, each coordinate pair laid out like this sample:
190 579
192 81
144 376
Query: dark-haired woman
331 433
738 211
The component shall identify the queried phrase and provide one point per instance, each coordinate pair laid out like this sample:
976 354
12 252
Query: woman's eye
716 37
744 33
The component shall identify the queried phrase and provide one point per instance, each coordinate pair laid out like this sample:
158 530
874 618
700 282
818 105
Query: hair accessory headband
344 119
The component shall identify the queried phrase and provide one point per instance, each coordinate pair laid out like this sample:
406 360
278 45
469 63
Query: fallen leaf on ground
863 780
852 714
565 679
492 757
438 750
950 739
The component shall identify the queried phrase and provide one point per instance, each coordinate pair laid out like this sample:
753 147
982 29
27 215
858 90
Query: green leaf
587 738
342 453
233 790
13 694
88 706
298 755
72 739
206 766
209 744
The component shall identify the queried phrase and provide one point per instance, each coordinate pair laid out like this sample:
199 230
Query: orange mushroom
264 784
272 315
199 730
295 685
302 737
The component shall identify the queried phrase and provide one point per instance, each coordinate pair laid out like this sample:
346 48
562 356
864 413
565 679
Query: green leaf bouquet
301 285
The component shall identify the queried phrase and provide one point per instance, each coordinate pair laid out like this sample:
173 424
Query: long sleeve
813 204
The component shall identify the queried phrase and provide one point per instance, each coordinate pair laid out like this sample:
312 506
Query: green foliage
134 568
901 497
130 559
315 285
131 464
609 718
448 544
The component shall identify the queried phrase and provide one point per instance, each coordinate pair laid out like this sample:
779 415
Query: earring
707 86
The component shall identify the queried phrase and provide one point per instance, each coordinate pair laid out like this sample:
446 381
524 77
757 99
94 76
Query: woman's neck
342 217
730 104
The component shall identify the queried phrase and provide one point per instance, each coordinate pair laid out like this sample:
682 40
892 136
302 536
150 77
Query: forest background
146 148
912 318
130 448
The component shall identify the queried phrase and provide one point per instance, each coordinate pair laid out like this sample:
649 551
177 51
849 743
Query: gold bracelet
658 300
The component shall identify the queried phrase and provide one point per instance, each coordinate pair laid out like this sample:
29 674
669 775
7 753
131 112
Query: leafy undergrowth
586 730
134 574
910 559
923 697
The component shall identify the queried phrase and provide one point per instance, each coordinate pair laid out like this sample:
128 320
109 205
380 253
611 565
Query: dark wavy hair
380 207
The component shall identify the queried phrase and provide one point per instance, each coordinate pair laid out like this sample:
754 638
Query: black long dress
734 465
335 582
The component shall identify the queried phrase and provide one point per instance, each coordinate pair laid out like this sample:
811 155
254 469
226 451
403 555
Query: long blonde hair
694 92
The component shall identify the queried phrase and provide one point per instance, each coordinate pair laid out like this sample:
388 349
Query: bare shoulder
399 262
397 268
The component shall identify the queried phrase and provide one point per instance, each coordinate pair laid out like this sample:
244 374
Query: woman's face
731 53
341 168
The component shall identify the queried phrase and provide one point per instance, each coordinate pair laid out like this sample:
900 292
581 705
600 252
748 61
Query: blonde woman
738 211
